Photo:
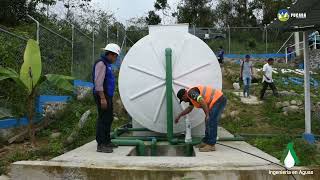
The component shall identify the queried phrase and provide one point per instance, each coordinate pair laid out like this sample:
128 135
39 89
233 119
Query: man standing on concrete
104 86
246 75
212 101
267 79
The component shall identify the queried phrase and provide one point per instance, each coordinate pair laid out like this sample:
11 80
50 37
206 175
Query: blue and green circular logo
283 15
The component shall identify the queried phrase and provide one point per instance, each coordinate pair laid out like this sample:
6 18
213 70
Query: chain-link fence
56 52
242 40
12 46
83 54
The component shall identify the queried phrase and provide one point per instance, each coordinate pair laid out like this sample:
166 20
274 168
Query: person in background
267 79
103 90
246 73
220 55
290 53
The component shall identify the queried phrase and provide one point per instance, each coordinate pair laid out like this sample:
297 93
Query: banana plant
31 78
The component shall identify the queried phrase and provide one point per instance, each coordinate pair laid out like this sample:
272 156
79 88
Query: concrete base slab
85 163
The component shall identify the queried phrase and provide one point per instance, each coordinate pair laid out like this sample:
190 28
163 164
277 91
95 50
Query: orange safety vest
209 95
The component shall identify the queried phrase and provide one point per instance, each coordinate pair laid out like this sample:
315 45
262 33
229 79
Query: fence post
93 58
117 34
308 136
266 31
286 54
107 34
229 44
38 28
72 48
315 41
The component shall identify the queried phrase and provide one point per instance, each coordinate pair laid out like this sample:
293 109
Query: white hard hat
113 48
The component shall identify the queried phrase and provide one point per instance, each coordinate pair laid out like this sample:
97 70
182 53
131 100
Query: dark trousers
104 121
265 86
212 124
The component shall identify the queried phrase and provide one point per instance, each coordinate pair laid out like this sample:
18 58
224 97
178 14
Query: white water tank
142 75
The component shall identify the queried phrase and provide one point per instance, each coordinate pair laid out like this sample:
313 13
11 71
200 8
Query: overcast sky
124 9
127 9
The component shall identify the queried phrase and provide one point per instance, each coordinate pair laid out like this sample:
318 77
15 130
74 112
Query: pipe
126 142
118 131
133 129
189 149
171 139
143 138
154 147
270 135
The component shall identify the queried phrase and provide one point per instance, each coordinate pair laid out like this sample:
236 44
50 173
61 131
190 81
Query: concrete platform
85 163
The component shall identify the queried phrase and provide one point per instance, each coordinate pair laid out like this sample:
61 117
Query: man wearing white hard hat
103 90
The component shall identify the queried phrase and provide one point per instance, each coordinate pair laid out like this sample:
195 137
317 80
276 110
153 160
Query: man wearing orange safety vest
213 102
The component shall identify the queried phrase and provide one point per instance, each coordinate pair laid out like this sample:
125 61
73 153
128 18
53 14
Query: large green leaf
8 73
60 81
31 68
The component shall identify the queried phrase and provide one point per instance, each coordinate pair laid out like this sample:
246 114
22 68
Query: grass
267 119
64 123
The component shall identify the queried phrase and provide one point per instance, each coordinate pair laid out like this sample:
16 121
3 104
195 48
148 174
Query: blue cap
247 56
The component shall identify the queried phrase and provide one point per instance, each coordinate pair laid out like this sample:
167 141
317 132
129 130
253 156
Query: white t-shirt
267 69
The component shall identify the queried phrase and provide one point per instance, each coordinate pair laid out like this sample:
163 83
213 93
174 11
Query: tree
160 4
197 12
153 18
137 29
268 8
30 79
235 13
14 12
72 5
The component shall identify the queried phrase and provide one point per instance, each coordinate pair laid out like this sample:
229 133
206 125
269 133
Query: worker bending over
212 101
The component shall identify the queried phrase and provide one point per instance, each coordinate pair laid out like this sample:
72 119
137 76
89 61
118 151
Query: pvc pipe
154 147
128 142
133 129
168 53
143 138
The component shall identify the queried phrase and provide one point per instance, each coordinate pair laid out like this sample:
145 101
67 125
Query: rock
293 102
116 118
287 93
82 92
234 113
291 108
84 119
236 86
279 105
285 104
299 102
223 116
55 135
4 177
285 113
70 139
